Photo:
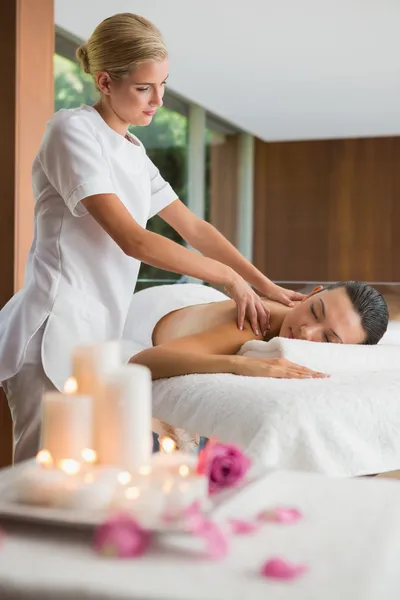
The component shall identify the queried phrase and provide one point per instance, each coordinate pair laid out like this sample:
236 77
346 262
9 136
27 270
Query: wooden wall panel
26 103
224 186
328 210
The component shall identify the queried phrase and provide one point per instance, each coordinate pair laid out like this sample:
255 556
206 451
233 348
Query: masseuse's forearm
210 242
173 363
158 251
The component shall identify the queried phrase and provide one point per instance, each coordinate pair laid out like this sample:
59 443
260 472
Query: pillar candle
91 361
127 409
67 424
91 364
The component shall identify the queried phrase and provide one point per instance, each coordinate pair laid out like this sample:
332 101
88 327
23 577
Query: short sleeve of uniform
73 161
162 193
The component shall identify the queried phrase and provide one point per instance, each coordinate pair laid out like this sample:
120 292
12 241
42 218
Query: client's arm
215 351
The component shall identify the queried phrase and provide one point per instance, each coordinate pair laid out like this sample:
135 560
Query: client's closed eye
320 317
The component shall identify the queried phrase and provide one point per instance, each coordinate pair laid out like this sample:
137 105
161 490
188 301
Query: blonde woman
95 188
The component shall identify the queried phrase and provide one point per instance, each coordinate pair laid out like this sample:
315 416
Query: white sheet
349 538
392 335
347 425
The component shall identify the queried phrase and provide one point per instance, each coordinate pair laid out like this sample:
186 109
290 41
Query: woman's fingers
241 307
263 316
252 316
291 370
297 296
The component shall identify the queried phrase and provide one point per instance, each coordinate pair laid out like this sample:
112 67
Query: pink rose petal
281 514
194 518
279 568
241 527
121 537
216 542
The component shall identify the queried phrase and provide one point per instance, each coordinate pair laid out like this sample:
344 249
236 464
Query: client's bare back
193 319
205 317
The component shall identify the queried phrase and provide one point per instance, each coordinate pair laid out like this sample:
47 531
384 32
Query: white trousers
24 394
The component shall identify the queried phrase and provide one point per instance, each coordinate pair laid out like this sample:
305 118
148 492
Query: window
72 87
165 140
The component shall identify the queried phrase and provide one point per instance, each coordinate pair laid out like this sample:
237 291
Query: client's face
325 317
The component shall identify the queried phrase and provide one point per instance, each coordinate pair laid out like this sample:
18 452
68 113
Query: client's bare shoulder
192 320
203 318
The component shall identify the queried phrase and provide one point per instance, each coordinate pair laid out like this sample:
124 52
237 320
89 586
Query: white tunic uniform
78 282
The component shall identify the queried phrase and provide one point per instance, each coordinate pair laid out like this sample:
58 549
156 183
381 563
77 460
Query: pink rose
224 464
121 537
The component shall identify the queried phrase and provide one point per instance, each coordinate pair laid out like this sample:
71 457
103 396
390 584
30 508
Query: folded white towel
327 358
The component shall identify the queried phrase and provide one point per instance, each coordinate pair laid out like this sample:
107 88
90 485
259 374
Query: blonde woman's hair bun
119 44
83 58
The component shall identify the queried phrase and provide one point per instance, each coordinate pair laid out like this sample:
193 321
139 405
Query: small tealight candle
69 466
170 460
44 458
167 445
71 386
89 456
124 478
184 470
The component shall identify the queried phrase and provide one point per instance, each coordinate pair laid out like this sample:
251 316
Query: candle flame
124 477
132 493
184 470
44 458
145 470
89 455
69 466
71 386
167 486
167 445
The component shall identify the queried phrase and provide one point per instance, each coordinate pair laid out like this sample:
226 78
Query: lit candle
67 425
91 491
127 417
91 361
44 458
173 461
91 365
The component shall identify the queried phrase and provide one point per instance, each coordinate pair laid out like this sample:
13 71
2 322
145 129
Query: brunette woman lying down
189 328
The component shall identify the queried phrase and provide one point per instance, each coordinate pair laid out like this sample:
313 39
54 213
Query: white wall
279 69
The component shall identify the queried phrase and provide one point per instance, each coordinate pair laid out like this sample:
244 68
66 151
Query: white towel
151 304
327 358
346 425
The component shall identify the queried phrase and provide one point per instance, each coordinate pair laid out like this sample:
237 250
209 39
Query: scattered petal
194 518
279 568
281 514
241 527
121 537
196 523
171 516
216 542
